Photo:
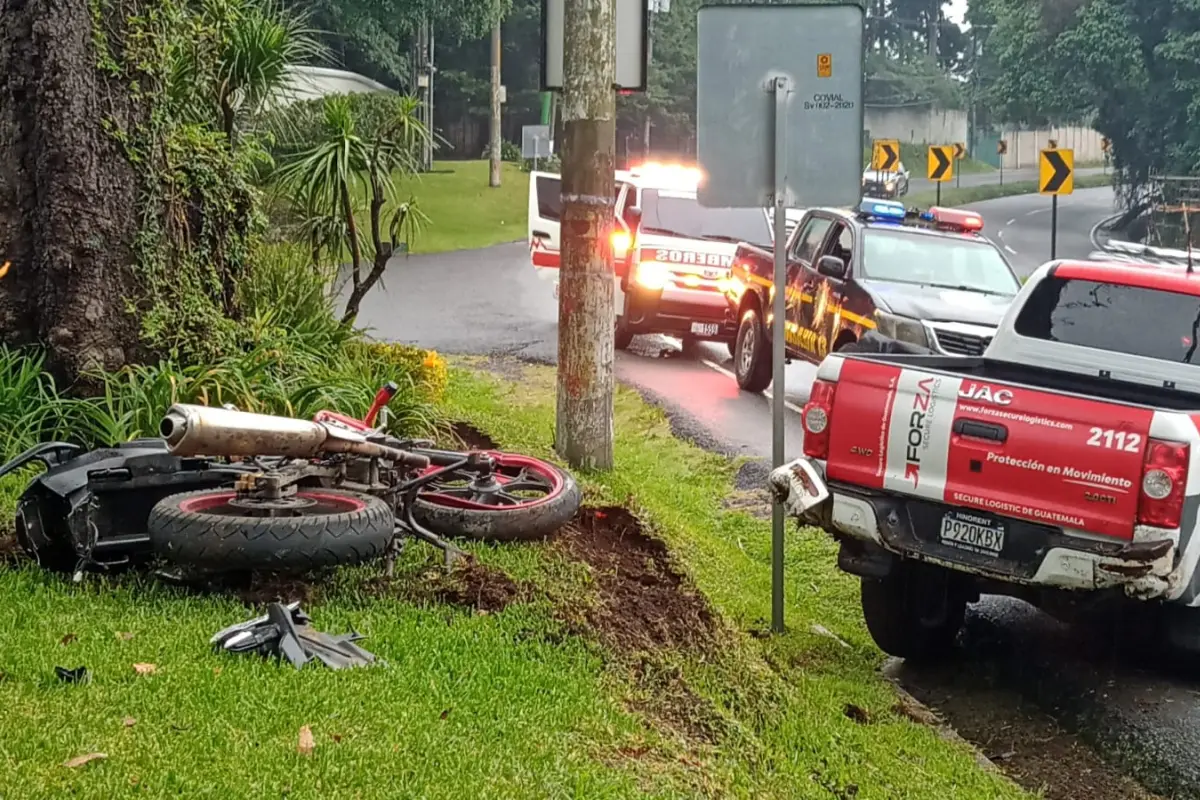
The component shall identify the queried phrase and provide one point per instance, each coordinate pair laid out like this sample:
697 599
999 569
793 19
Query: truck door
830 293
545 224
801 271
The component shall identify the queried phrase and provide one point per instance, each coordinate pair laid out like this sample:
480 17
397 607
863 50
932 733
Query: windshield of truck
1119 319
945 262
678 214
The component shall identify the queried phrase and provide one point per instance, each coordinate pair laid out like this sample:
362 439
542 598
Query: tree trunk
584 424
68 195
495 148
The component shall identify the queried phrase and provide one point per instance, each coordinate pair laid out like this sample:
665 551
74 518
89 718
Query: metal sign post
772 82
778 344
535 142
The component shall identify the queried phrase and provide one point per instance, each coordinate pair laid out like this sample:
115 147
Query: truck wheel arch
749 300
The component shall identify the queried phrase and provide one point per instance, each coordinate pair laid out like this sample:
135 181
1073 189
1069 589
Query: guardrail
1104 249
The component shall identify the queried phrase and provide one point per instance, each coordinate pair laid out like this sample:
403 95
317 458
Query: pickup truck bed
980 368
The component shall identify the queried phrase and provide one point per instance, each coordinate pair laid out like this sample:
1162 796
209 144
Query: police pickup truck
928 279
1064 462
672 255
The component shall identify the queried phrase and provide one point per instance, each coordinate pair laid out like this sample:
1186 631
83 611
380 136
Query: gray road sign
535 141
819 50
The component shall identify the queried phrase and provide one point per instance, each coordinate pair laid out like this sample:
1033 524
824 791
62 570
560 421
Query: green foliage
343 180
375 38
192 70
1131 68
295 360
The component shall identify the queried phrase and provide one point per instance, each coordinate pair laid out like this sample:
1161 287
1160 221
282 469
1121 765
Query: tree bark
496 147
68 195
584 424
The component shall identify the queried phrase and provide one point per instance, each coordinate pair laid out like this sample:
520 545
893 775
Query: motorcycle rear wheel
206 531
535 500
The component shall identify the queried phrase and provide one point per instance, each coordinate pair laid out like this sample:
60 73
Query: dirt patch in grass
643 603
1028 746
10 550
468 436
471 584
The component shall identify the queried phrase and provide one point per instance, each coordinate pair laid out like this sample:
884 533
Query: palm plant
345 176
241 61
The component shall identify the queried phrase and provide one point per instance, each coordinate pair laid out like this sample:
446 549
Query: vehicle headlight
904 329
652 274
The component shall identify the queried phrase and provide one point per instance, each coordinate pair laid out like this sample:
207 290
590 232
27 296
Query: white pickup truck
1065 459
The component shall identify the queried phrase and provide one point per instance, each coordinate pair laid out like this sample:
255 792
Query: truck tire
202 530
623 336
752 353
914 613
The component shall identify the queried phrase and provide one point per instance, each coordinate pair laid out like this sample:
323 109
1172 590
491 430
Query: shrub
296 359
551 164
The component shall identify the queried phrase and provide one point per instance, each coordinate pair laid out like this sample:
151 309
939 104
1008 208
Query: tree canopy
1131 69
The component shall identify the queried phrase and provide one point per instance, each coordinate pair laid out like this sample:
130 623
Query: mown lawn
977 194
464 212
523 701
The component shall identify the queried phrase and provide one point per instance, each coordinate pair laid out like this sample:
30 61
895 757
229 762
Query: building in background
307 83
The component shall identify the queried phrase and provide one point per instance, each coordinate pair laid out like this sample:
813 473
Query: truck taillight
815 418
1164 477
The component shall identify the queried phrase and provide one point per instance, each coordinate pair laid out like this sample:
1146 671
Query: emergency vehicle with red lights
926 278
672 255
1064 460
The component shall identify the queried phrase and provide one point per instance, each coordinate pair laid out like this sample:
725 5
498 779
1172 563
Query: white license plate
974 533
705 328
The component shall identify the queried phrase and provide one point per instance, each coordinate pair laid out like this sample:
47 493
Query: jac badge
981 393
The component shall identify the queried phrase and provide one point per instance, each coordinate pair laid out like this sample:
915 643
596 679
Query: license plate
705 328
974 533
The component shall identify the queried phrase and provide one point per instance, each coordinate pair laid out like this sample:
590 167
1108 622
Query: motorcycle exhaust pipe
192 430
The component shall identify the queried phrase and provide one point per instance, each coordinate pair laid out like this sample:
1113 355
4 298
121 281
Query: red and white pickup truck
1065 458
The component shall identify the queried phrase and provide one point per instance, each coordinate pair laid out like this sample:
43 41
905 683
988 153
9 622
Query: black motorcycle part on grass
287 632
91 510
225 542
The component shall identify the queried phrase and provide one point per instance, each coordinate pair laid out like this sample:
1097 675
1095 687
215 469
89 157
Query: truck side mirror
832 267
633 217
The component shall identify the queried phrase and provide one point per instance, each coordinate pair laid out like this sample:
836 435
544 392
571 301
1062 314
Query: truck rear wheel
752 353
624 336
914 613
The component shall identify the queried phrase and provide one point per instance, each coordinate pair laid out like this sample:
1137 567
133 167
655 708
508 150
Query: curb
941 728
1094 234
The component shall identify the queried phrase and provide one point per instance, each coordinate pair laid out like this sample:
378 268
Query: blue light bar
882 209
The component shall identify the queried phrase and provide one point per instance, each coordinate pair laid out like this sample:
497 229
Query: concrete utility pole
584 423
494 149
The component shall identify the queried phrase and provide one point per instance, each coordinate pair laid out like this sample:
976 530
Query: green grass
506 705
977 194
465 212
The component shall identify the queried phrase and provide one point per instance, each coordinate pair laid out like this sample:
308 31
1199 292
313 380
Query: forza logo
984 394
916 430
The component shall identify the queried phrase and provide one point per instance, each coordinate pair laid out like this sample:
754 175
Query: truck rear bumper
1145 568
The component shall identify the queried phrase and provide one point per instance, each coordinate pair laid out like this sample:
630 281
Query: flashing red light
956 219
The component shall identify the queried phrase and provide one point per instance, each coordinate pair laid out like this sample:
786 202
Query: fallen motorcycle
224 490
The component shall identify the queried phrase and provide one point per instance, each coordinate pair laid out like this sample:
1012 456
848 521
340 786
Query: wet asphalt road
490 301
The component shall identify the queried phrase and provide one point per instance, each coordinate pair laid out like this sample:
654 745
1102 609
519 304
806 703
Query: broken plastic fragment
286 632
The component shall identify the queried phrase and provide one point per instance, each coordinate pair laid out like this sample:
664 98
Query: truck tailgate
1021 452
